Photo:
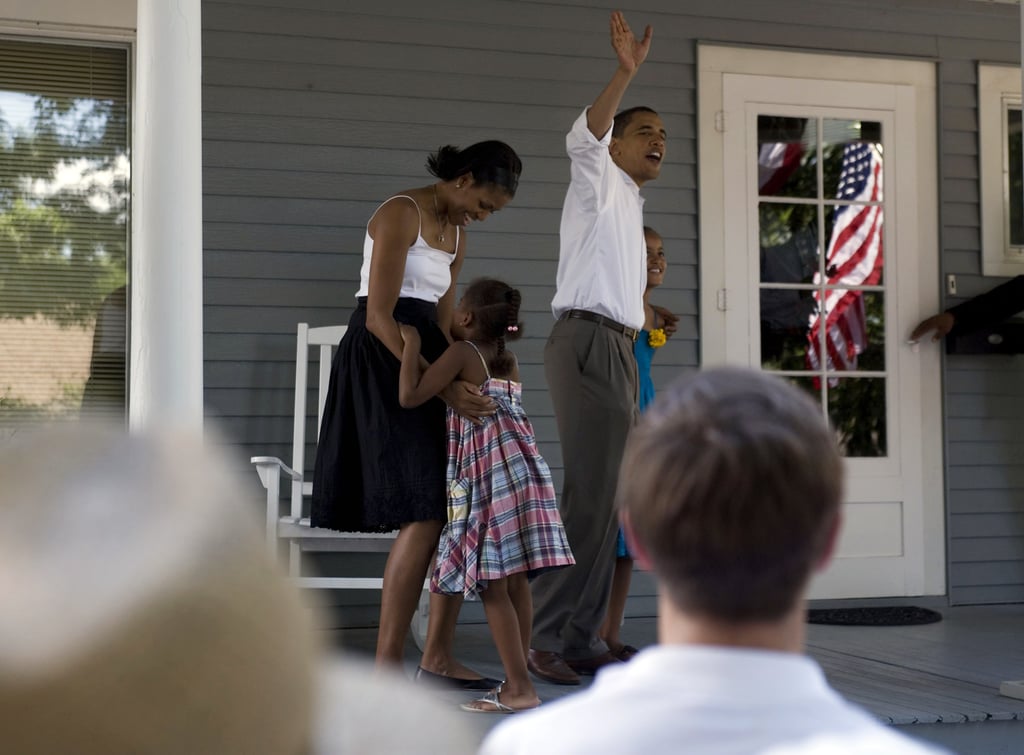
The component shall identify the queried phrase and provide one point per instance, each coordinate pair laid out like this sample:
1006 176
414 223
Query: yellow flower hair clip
657 338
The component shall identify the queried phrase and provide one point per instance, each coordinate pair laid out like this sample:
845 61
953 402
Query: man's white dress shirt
602 258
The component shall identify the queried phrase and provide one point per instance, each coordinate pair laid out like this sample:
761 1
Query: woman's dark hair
490 162
495 307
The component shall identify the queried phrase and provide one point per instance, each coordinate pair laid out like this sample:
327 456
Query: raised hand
630 51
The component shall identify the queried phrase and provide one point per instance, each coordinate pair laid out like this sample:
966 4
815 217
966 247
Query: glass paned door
818 242
822 268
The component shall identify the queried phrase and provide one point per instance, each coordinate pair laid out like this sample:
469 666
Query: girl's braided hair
495 307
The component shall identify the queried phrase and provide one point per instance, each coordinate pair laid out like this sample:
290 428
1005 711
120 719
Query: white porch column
167 271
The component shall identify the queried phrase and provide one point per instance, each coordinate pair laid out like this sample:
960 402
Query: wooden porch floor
938 682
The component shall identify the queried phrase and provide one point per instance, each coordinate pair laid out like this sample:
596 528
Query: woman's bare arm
393 229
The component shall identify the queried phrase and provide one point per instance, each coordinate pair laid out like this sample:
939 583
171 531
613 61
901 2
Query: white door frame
728 341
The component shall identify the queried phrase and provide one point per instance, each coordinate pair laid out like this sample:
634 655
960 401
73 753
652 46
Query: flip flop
491 698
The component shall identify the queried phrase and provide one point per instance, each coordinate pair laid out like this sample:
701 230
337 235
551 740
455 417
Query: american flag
853 258
776 162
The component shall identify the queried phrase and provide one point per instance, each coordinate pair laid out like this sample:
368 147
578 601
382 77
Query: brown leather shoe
590 666
550 667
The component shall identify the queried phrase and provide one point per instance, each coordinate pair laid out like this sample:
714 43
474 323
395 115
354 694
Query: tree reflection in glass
823 315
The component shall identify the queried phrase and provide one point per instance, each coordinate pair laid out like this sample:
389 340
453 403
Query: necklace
437 214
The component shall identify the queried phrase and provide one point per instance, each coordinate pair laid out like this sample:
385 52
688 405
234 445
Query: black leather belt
618 327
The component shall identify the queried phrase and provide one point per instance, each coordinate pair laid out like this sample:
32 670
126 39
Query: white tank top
428 271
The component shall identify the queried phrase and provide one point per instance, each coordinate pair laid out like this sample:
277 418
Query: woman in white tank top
380 467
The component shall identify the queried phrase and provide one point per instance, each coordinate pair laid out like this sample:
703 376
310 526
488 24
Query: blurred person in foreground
141 613
733 536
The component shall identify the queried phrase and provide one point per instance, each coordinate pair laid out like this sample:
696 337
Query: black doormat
877 616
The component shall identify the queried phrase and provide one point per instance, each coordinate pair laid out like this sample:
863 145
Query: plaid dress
502 514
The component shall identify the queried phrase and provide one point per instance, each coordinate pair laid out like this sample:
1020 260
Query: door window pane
852 160
785 321
852 334
871 308
854 252
857 411
787 157
789 242
64 208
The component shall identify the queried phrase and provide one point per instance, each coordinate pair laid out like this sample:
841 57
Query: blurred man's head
731 486
139 609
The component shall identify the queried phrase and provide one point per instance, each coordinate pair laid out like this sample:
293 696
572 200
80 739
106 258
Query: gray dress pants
592 376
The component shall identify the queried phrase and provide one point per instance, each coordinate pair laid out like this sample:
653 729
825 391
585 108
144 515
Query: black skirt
378 465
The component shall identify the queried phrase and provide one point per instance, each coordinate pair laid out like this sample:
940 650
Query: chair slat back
325 338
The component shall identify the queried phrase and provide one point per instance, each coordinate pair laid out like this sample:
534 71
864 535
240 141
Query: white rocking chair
294 527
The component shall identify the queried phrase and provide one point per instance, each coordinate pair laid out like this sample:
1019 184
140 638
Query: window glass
64 210
1015 169
856 409
787 156
822 300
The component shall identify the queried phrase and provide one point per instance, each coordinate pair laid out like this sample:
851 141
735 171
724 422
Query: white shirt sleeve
590 162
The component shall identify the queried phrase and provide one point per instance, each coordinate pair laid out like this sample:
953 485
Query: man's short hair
732 483
623 119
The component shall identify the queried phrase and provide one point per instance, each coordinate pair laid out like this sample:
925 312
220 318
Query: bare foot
451 668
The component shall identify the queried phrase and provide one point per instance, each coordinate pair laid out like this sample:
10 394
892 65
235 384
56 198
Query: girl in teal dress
659 324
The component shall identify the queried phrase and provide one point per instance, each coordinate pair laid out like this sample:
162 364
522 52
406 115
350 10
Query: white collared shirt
702 699
602 257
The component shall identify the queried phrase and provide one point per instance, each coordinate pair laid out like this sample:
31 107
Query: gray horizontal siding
985 547
314 111
985 474
313 114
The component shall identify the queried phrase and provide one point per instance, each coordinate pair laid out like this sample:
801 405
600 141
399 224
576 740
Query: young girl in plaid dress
503 522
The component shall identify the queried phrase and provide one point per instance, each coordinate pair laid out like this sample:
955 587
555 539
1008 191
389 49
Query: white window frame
999 89
110 22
